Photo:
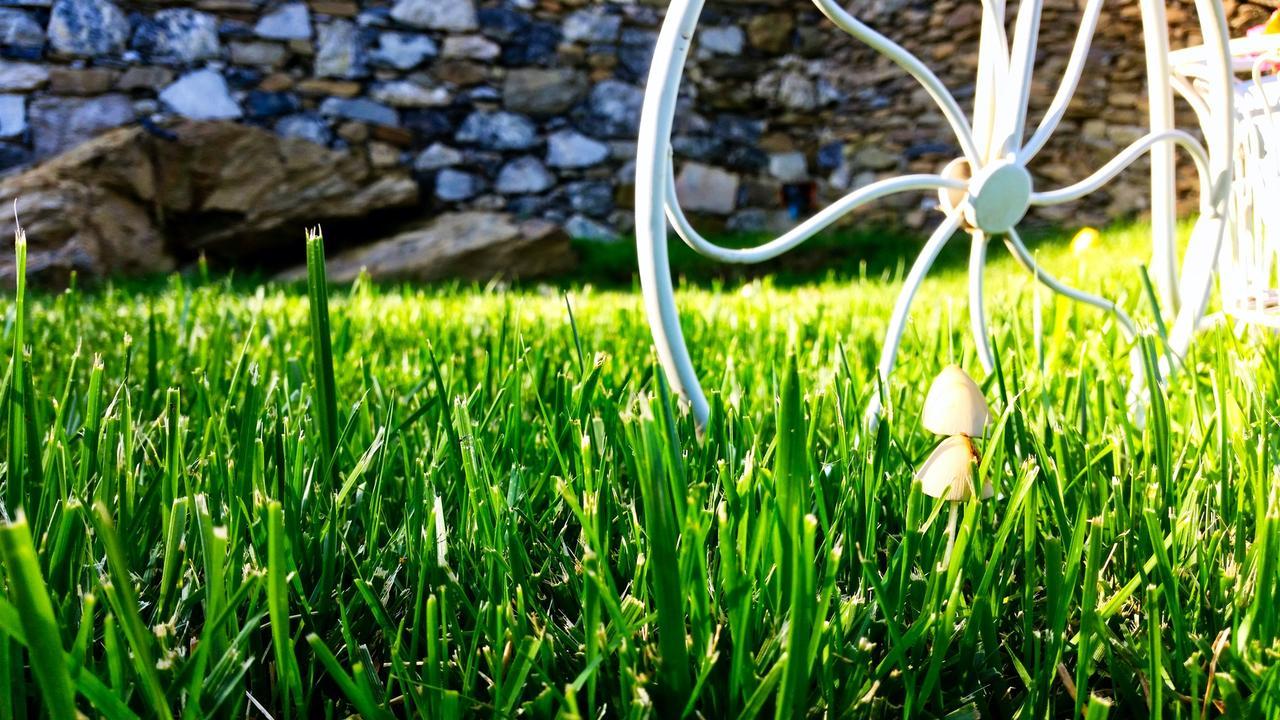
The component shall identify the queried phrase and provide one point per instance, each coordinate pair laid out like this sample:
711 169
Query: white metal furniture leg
977 300
1164 196
902 309
651 225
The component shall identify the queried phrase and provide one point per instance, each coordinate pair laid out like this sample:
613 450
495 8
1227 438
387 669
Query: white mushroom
955 405
948 473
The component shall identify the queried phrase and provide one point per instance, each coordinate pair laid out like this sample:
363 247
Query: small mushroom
948 473
955 405
1084 241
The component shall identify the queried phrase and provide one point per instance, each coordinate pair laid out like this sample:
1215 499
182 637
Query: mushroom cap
955 405
948 473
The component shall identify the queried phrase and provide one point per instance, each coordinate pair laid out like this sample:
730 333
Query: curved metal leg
902 308
977 301
1155 28
1198 270
651 225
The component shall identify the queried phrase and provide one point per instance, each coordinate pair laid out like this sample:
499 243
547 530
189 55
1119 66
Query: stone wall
531 106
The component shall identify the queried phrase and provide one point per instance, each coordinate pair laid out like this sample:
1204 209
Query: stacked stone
532 106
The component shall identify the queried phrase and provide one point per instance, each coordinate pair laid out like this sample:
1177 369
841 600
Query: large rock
179 36
20 34
476 246
572 149
614 109
21 76
524 176
404 51
201 95
339 51
13 115
453 15
61 123
498 131
291 21
121 203
703 188
543 92
88 28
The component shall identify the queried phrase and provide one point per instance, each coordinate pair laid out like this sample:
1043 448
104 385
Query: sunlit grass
493 509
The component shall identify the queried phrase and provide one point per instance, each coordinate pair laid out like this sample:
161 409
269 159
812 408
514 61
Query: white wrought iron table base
986 191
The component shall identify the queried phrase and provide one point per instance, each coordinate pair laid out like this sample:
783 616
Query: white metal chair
1247 263
986 192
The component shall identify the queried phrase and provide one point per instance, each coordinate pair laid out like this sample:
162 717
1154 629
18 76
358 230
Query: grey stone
872 157
789 167
437 156
722 40
178 35
409 94
572 149
305 126
614 109
582 227
457 186
797 92
258 52
524 176
291 21
592 25
477 246
13 115
452 15
591 197
59 124
543 91
703 188
498 131
470 47
201 95
19 31
88 28
21 77
404 51
360 109
339 51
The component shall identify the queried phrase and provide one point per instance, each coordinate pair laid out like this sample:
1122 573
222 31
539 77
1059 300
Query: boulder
88 28
404 51
477 246
498 131
524 176
60 123
178 36
707 189
135 201
572 149
21 77
13 115
201 95
543 92
340 51
452 15
20 33
291 21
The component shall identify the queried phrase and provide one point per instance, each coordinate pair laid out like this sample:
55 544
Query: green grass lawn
225 502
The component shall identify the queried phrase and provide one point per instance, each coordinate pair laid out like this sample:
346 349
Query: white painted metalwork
1249 261
986 192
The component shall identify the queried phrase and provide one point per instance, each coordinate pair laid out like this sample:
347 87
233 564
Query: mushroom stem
951 536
